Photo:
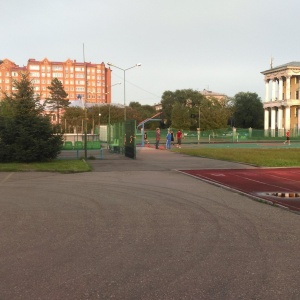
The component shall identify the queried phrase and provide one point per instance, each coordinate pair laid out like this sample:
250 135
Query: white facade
281 103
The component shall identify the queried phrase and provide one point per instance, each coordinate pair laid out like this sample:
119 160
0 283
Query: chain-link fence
225 135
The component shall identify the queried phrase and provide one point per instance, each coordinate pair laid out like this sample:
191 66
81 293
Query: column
274 89
279 121
267 90
280 90
298 127
273 121
288 88
287 116
266 119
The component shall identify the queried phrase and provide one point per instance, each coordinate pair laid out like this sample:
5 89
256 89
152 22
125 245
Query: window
80 89
57 75
57 68
34 74
297 94
78 75
34 67
79 82
79 69
14 74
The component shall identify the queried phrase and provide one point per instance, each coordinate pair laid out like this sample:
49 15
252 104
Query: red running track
261 183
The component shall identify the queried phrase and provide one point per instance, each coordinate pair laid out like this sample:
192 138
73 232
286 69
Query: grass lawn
61 166
288 157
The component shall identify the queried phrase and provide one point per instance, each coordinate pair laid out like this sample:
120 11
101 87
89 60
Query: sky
218 45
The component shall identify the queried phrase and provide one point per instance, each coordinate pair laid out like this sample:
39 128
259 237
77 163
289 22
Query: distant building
281 103
210 94
158 106
85 82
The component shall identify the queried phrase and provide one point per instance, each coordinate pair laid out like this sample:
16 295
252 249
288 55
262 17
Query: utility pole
85 109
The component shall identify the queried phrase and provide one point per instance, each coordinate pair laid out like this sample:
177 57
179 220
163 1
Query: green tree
25 134
73 119
143 112
180 117
58 98
248 110
188 97
214 113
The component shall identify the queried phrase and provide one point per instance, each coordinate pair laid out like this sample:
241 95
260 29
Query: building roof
211 94
284 66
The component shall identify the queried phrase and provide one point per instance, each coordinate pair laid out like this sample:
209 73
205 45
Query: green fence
121 138
225 135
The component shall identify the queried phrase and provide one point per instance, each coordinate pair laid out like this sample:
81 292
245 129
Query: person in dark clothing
157 137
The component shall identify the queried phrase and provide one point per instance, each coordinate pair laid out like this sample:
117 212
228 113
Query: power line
137 86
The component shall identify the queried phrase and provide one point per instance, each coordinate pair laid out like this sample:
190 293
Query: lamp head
138 65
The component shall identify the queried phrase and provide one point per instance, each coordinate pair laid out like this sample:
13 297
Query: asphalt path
141 230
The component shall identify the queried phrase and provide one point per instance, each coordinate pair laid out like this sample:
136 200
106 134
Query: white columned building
282 100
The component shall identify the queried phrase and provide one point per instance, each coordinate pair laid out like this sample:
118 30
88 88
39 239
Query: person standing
157 137
287 135
179 137
168 142
146 137
172 137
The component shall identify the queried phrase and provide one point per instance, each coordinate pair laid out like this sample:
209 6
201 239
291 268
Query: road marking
6 178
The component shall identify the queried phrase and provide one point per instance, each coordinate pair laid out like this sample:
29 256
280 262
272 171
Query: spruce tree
58 98
26 135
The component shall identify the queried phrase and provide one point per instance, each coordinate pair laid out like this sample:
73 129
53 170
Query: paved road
141 230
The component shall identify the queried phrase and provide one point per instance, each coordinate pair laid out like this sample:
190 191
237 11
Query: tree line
27 134
185 109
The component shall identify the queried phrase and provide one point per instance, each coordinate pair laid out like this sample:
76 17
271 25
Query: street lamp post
199 129
108 131
124 71
99 128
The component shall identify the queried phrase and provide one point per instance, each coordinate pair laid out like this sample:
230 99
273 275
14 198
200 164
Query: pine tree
58 98
25 134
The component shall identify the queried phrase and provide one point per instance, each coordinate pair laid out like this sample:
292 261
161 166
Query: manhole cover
284 194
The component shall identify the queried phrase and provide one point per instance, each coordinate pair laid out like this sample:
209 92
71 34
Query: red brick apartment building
86 81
